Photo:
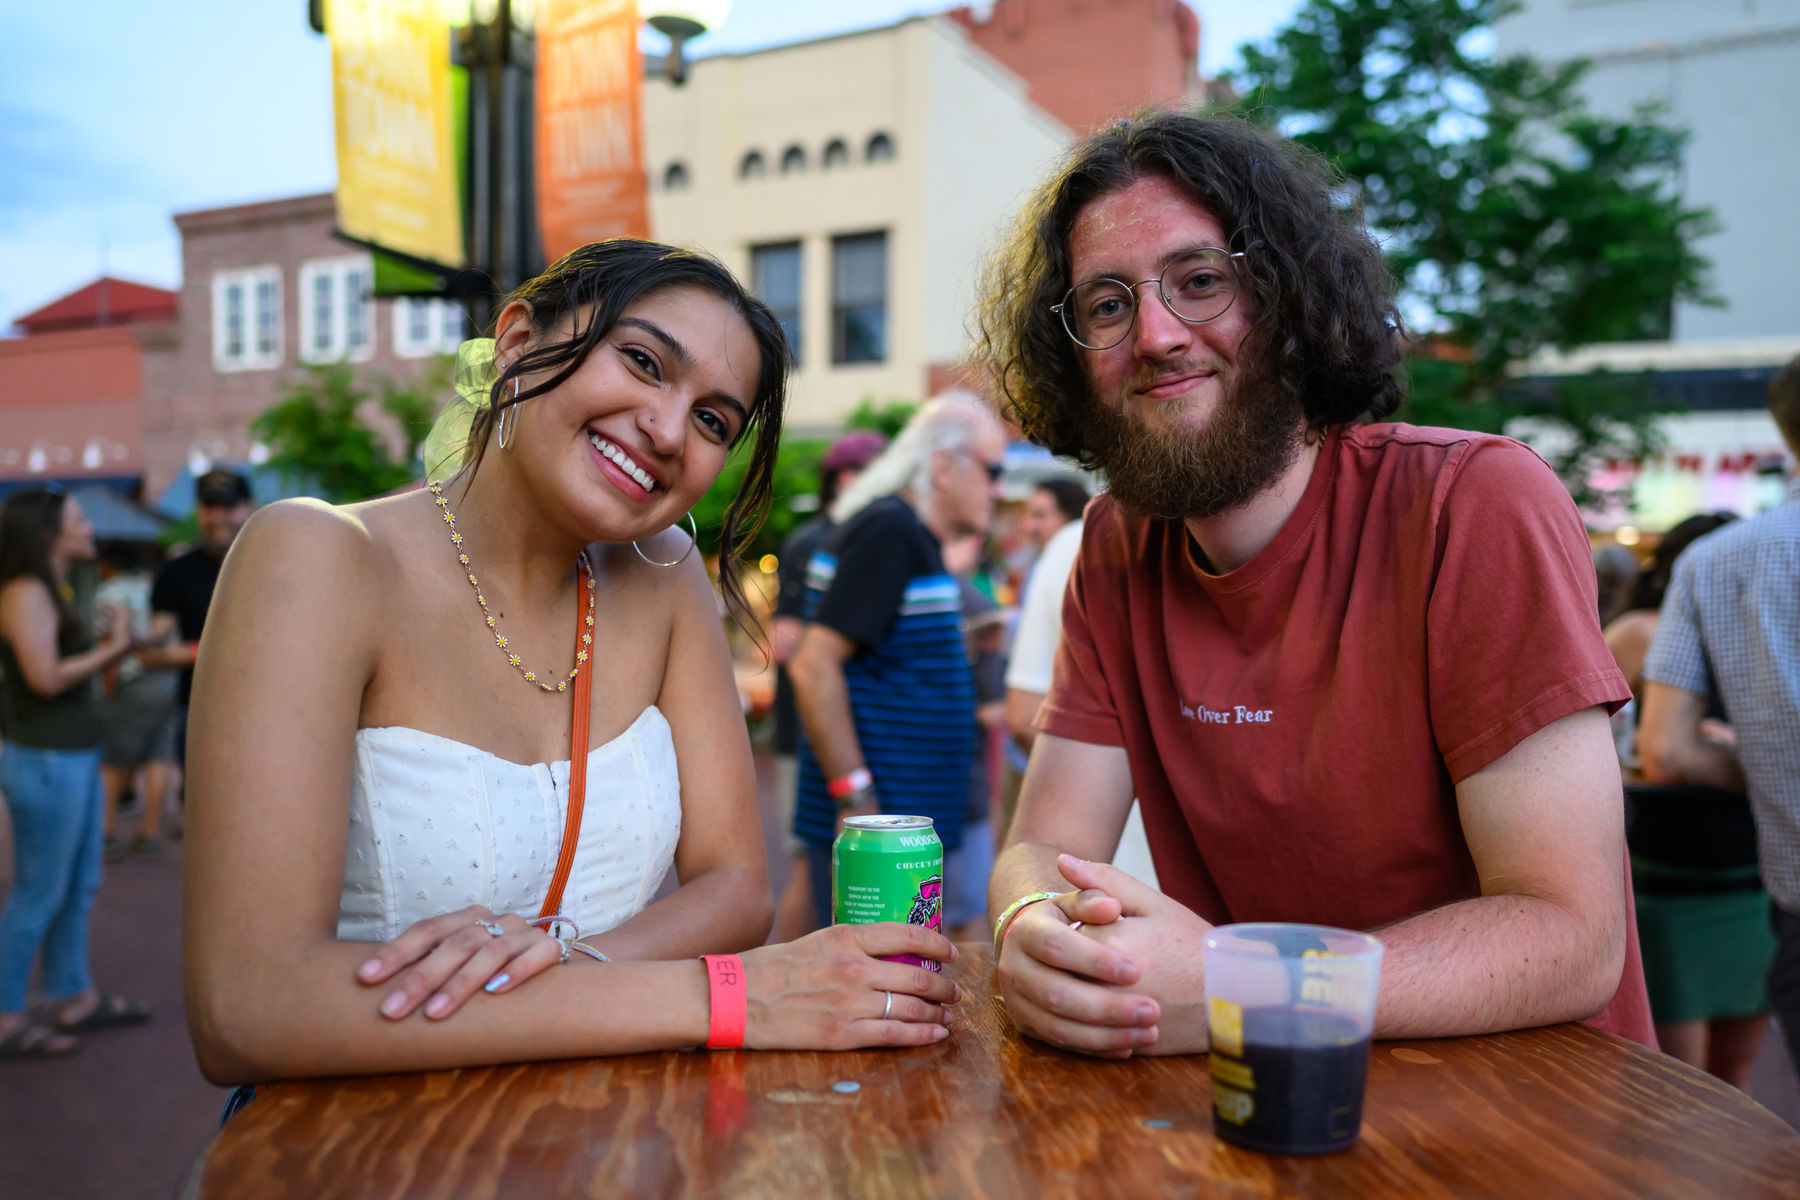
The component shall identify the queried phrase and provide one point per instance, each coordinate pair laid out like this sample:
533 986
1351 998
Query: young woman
50 774
376 679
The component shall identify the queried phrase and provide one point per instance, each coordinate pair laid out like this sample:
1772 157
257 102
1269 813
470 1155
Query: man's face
219 524
1183 420
1042 518
964 484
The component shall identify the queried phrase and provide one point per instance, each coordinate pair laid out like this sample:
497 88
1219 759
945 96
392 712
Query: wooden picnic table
1543 1113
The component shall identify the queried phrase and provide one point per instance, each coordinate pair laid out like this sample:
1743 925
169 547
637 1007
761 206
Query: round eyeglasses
1197 286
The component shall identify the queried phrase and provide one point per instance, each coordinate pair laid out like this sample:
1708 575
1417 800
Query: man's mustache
1150 377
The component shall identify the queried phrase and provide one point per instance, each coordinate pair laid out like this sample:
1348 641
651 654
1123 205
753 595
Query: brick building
1085 63
72 388
265 289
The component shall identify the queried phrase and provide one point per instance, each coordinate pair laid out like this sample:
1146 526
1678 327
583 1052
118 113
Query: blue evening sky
116 113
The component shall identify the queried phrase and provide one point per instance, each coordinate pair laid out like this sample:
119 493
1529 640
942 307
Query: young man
881 676
1729 627
1353 672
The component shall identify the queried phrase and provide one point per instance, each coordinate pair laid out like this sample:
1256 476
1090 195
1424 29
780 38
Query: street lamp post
494 41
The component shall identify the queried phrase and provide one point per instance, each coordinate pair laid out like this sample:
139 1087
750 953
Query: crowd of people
1298 662
96 666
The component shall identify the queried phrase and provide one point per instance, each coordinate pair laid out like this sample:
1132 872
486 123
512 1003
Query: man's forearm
1021 869
1697 761
1495 963
823 699
174 654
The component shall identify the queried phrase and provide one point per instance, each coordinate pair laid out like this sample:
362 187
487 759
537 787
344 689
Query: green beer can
889 869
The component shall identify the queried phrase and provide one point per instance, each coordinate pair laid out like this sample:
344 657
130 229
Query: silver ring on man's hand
888 1007
494 928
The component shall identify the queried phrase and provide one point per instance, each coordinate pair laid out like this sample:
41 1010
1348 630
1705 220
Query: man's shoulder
194 564
1732 544
890 516
807 535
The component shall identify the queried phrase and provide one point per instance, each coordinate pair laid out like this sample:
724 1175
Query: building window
837 154
247 319
751 166
880 149
423 326
775 276
675 177
859 298
337 317
793 159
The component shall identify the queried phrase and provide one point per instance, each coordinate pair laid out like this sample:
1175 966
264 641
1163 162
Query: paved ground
126 1117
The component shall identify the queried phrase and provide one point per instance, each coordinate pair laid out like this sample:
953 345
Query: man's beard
1252 436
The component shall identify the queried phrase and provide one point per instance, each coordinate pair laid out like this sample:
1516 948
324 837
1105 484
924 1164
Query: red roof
106 301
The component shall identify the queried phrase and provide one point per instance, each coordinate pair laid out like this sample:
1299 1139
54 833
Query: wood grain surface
1544 1113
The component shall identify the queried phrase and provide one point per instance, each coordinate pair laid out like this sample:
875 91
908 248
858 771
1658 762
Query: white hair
953 420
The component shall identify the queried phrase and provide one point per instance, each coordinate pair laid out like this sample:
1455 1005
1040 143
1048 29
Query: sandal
109 1012
146 848
32 1040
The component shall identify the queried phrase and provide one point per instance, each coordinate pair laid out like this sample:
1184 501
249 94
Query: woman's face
638 434
75 540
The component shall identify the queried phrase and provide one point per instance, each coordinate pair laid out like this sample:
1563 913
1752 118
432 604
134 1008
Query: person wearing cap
843 462
183 589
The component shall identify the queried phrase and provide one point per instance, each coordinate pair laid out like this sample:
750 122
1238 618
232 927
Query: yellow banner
590 140
396 159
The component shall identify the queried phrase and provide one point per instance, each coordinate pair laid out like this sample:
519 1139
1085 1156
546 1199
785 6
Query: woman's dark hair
606 278
1071 496
1653 580
30 523
1326 326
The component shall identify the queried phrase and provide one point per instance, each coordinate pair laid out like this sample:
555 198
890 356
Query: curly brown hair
1325 326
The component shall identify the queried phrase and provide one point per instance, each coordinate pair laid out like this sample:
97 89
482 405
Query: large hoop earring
693 541
504 409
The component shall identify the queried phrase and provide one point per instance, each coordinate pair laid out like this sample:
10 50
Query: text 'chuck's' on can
889 869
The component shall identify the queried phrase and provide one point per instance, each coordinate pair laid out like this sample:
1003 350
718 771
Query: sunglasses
994 470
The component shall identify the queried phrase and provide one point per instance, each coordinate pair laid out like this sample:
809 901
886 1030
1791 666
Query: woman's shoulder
310 544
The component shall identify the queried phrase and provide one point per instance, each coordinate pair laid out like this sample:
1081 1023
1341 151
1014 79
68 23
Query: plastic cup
1292 1010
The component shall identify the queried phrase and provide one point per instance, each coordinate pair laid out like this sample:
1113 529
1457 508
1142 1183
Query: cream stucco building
857 182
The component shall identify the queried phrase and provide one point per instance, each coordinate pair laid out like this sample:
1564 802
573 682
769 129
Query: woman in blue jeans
50 774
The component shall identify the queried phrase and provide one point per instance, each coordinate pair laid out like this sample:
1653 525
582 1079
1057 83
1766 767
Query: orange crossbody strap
578 757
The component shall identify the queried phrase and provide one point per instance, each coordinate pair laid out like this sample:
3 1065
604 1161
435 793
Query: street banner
396 150
590 140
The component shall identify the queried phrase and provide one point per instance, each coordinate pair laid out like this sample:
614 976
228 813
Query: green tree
1514 219
317 436
886 419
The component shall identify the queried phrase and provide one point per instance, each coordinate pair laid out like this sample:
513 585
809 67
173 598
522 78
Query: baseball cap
223 488
853 451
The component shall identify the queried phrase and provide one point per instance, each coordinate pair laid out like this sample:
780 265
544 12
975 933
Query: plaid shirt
1730 627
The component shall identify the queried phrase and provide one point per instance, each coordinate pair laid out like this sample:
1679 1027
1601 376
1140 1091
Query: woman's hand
448 958
116 621
829 990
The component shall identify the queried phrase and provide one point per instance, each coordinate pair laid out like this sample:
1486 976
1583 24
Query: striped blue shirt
880 581
1730 627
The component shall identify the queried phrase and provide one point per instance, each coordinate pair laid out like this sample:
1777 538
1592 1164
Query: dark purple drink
1297 1088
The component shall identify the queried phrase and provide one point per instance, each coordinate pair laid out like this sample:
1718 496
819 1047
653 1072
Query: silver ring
494 928
888 1007
1076 926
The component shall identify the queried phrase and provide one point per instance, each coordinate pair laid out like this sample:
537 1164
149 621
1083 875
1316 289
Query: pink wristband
730 1001
855 781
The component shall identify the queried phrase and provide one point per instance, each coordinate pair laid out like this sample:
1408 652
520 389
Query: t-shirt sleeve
875 562
790 576
1677 655
1513 625
165 596
1080 704
1033 658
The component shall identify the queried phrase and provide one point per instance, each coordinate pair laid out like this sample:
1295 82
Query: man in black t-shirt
881 676
183 589
843 462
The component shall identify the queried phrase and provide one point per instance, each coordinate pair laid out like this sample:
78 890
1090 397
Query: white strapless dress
436 825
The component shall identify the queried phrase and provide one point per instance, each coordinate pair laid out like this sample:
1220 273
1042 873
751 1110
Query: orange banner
590 139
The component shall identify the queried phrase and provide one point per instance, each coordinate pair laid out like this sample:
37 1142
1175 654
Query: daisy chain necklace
587 577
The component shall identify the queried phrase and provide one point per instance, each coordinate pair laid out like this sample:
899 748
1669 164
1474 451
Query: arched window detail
675 177
880 148
793 159
752 166
837 154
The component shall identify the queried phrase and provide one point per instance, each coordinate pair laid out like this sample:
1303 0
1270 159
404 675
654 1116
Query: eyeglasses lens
1197 287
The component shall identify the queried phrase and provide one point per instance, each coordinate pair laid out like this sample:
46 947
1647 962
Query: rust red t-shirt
1296 727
